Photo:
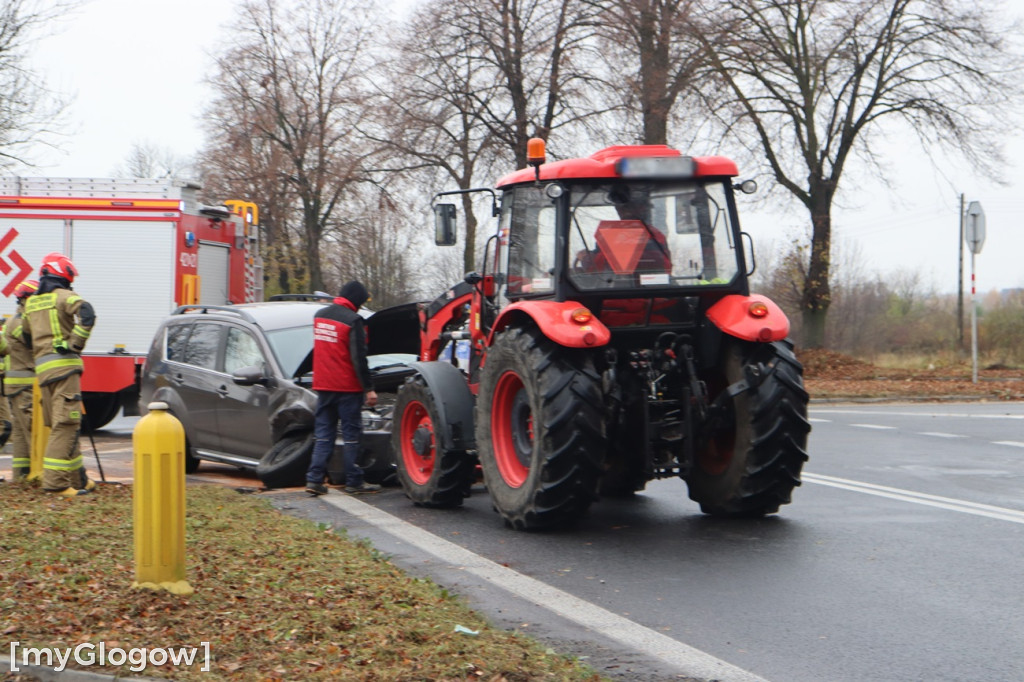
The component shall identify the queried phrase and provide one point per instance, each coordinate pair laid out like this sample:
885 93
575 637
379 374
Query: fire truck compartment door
214 262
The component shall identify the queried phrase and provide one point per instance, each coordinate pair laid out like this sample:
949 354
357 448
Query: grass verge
277 598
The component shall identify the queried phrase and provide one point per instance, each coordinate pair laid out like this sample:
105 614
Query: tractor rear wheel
750 463
431 476
539 430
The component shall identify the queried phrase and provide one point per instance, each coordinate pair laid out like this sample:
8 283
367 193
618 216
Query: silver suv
239 379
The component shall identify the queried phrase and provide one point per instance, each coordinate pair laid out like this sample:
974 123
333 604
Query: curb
47 674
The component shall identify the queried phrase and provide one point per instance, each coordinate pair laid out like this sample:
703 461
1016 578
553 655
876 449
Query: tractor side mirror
752 261
444 224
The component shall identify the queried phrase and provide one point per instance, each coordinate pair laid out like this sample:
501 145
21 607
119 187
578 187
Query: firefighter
19 375
5 409
57 324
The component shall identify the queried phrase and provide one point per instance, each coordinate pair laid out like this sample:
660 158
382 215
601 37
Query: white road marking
6 456
939 434
819 421
986 510
942 415
1012 443
874 426
693 662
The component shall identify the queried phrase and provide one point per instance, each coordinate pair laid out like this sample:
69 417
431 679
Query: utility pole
960 287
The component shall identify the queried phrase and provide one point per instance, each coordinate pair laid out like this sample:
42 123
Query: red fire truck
142 247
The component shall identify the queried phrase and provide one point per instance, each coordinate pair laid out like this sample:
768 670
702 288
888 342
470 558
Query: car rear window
201 350
177 336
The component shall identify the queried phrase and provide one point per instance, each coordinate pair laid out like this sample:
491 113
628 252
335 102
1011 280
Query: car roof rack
318 296
197 309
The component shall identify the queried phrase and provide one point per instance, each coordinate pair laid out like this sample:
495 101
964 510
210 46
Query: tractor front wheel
539 430
431 476
750 461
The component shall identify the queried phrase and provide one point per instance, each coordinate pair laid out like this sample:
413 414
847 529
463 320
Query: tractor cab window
644 235
529 239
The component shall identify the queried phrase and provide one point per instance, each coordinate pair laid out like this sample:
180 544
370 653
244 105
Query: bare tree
240 162
537 53
147 160
299 73
30 113
430 124
811 82
372 247
653 57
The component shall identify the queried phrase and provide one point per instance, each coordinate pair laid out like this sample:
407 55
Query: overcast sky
135 69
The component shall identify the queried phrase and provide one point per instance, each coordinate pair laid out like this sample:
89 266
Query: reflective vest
57 337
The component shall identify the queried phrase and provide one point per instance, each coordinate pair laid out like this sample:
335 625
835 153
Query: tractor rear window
644 235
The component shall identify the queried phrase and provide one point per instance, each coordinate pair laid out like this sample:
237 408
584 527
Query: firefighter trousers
5 421
62 411
21 433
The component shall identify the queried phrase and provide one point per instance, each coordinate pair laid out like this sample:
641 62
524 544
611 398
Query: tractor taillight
758 309
582 316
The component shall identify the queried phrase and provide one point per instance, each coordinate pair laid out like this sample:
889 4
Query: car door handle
222 391
178 379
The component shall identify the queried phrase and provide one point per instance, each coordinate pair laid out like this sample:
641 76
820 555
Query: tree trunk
469 249
817 295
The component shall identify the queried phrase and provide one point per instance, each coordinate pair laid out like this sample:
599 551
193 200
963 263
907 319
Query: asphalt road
901 557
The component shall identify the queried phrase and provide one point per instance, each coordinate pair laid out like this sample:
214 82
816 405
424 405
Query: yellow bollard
158 501
40 435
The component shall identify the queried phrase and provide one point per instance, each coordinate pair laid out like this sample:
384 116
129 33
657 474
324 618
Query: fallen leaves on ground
277 598
833 376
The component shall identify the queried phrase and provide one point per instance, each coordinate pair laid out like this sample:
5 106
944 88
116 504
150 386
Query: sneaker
362 489
316 489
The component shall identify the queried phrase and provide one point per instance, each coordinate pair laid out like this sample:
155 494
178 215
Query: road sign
974 229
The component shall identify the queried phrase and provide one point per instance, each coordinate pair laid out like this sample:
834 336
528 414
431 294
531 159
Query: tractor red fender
567 323
751 318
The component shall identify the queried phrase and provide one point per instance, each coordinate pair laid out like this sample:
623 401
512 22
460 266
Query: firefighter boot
71 492
88 485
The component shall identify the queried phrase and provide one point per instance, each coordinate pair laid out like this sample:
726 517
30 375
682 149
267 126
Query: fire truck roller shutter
214 266
126 273
131 295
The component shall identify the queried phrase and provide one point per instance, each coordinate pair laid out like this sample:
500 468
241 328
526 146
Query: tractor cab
641 235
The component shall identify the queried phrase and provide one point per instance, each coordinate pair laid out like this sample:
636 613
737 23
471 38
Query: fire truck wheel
539 430
100 409
430 475
751 463
285 464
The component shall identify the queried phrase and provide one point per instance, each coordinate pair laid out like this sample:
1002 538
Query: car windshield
291 346
650 235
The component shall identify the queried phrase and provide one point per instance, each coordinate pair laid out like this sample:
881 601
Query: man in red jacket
341 378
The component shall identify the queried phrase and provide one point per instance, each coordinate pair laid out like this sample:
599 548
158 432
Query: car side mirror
444 224
249 376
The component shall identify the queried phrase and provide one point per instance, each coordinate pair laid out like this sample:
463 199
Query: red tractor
613 341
